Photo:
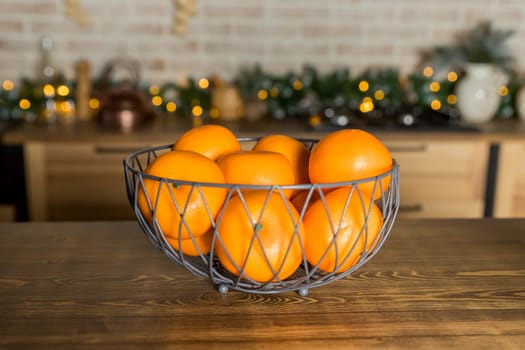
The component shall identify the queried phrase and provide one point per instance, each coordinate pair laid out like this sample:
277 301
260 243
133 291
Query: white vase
478 92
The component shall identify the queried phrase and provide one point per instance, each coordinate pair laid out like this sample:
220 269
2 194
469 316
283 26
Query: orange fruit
296 152
275 252
182 209
210 140
257 168
299 199
336 234
192 247
348 155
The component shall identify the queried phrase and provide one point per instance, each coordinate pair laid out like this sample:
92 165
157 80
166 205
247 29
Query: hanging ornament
74 10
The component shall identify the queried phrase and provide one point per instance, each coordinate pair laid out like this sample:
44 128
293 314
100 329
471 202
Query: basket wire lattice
208 266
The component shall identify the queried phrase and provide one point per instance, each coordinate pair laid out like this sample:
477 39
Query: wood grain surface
436 284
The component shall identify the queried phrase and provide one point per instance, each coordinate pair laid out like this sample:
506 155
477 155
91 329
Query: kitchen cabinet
78 174
84 181
77 181
441 178
510 185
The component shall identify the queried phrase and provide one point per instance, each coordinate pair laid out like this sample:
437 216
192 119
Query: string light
49 90
171 106
452 99
154 89
367 105
262 95
297 85
379 95
435 105
363 86
24 104
434 86
204 83
94 103
197 111
452 76
156 100
428 71
503 91
8 85
62 90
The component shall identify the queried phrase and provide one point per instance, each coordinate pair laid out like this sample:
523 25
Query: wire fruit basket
228 266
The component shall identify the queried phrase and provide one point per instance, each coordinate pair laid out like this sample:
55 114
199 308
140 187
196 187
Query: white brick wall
280 34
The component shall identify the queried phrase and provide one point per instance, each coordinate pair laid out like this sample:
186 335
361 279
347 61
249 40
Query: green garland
375 93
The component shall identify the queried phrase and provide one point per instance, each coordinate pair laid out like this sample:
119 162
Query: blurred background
100 78
217 37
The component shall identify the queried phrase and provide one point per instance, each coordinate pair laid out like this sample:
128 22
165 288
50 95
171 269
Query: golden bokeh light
503 90
171 106
428 71
48 90
94 103
315 120
366 106
154 89
297 85
363 86
204 83
452 99
24 104
197 111
274 92
8 85
379 95
62 90
156 100
262 95
452 76
434 86
435 105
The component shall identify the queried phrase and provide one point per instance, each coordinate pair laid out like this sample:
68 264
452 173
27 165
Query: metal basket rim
302 186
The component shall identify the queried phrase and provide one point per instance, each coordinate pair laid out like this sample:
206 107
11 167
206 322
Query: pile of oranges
266 210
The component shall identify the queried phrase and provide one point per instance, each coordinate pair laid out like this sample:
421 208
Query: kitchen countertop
436 284
166 130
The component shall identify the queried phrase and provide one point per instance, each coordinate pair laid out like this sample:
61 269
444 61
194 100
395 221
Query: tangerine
340 228
193 246
257 168
348 155
182 209
210 140
259 236
293 149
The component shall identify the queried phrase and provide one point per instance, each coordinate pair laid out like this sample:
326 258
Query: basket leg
303 292
222 288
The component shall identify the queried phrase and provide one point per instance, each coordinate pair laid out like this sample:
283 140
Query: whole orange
259 237
193 247
180 209
348 155
338 230
299 199
296 152
257 168
210 140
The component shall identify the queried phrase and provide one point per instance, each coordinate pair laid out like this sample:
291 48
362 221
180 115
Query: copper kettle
123 106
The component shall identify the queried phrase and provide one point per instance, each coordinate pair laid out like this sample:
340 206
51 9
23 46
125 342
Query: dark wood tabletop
435 284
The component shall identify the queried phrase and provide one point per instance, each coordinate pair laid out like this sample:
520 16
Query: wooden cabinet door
77 181
441 178
510 180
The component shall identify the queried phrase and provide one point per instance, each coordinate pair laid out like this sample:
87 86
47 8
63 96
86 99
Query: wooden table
436 284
